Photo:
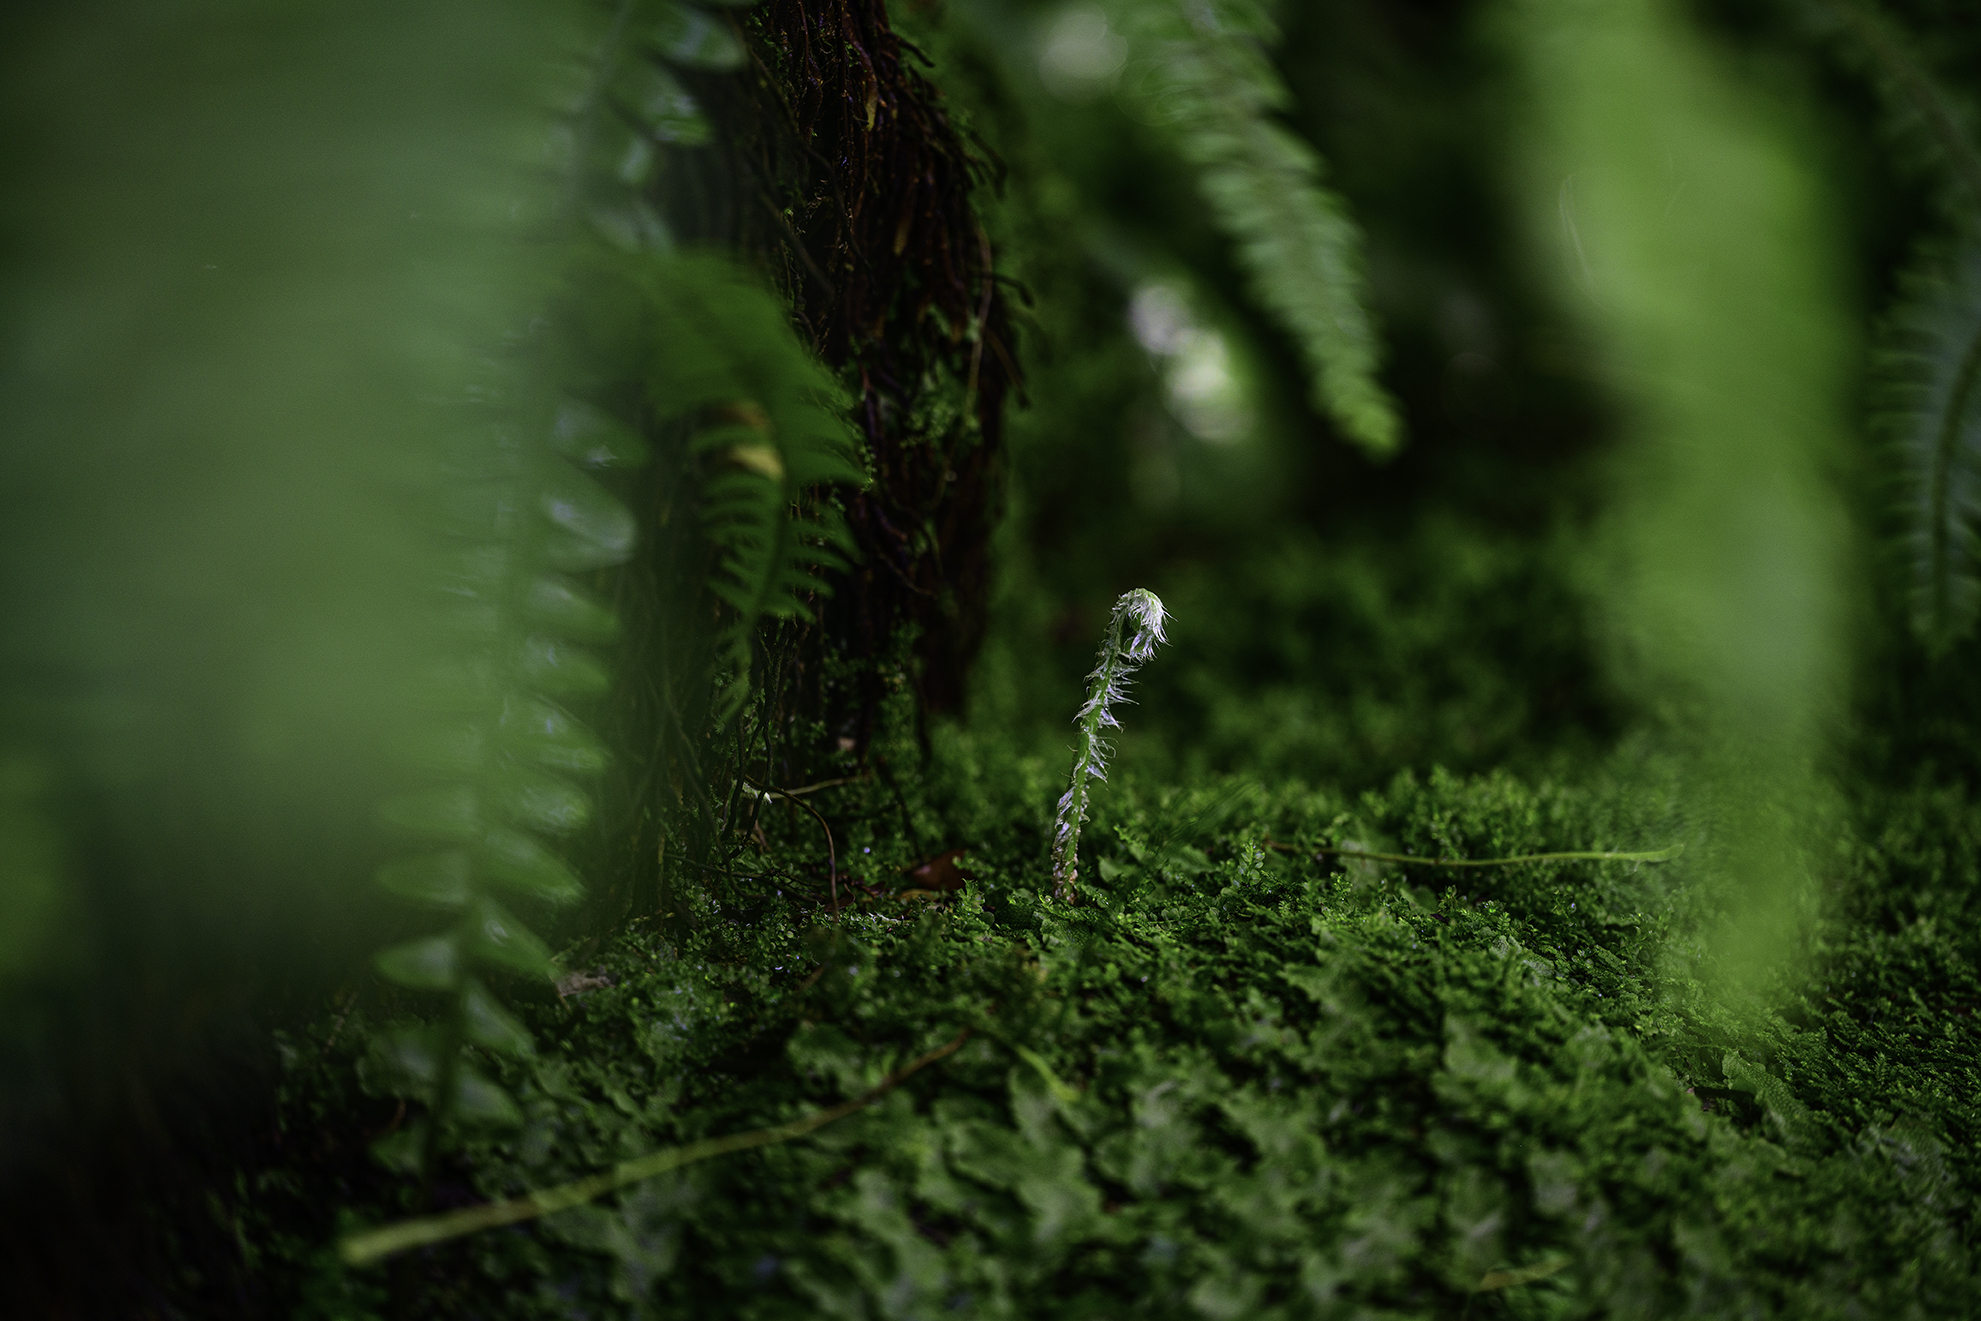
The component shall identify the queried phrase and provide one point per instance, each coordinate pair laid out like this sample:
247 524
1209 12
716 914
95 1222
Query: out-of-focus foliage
1930 366
724 348
1924 392
260 275
1201 73
302 533
544 464
1691 234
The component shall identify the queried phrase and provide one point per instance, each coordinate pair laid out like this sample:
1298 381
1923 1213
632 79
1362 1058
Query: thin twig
822 784
900 801
831 854
1655 855
375 1245
1525 1275
755 874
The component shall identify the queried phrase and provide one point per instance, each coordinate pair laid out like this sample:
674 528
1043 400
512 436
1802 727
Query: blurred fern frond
1925 117
769 427
1200 72
529 519
1709 288
1926 370
287 478
1928 402
715 350
506 768
675 339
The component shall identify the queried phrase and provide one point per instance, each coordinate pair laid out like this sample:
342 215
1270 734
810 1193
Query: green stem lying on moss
1654 855
1524 1275
374 1245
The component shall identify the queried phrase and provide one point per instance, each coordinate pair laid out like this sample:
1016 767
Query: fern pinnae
776 433
1932 413
508 764
1202 74
1927 371
535 517
1864 35
1134 630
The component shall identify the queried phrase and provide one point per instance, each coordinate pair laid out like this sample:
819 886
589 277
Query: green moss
1243 1078
1286 1087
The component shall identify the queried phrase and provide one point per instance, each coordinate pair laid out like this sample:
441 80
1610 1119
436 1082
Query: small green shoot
1133 633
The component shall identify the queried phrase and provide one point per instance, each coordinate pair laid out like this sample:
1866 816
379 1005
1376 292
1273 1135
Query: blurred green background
277 400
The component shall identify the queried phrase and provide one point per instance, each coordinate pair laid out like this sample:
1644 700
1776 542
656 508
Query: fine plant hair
1200 72
1134 630
1927 362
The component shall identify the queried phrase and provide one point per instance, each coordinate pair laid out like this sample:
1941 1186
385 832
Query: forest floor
1243 1078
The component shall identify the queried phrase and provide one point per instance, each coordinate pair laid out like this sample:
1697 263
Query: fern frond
1923 112
512 755
262 518
778 432
1198 70
532 516
1928 397
1927 371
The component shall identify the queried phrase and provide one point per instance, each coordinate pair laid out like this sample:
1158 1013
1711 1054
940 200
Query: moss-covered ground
1246 1078
1243 1079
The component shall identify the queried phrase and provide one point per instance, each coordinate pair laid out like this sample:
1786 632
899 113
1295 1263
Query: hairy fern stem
1133 632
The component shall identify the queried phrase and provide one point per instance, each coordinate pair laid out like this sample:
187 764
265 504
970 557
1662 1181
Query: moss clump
1245 1082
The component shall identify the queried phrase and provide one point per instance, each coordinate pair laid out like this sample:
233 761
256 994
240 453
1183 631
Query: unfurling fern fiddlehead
1198 68
1134 631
